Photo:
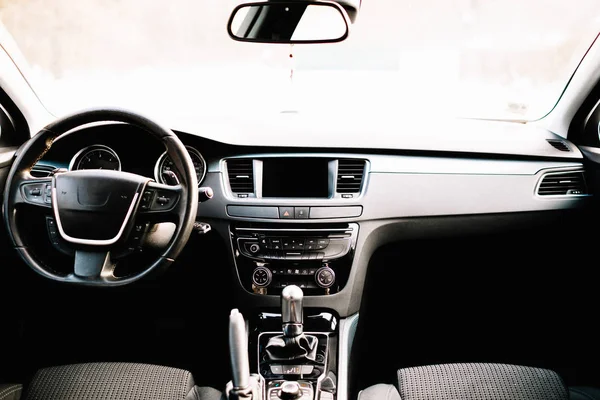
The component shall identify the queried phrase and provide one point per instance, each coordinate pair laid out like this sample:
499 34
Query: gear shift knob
291 310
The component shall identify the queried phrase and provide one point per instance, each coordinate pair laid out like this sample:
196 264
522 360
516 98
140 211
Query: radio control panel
316 259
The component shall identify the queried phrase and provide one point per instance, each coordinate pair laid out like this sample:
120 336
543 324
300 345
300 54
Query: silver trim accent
92 242
163 156
347 331
86 150
296 229
559 172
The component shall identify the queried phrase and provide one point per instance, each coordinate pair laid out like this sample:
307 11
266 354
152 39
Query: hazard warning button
286 212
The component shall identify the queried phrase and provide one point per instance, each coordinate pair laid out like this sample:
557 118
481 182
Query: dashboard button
286 212
275 244
276 369
291 369
296 244
301 212
286 243
307 369
322 243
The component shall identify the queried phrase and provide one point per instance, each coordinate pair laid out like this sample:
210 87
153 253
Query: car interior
298 256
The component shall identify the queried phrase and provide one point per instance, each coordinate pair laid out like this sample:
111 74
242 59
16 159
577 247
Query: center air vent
559 144
350 175
241 175
563 183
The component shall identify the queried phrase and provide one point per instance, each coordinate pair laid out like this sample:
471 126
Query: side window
7 128
13 127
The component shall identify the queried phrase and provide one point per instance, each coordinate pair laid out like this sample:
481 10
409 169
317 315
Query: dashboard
96 154
313 216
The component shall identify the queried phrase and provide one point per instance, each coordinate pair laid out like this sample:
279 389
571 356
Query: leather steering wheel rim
34 149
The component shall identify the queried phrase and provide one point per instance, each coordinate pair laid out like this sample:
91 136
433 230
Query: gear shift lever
293 344
291 311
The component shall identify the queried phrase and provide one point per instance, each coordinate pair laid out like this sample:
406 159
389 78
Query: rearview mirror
288 22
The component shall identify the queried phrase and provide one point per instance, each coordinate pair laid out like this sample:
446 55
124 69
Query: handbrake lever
243 386
238 350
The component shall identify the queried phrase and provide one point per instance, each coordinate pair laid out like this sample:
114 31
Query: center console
294 355
315 258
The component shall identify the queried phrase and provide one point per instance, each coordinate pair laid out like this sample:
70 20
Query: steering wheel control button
52 231
164 201
286 212
48 194
146 200
262 276
36 193
325 277
54 236
301 212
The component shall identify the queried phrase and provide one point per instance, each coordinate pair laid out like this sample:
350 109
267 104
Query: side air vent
350 175
241 175
559 144
562 184
41 171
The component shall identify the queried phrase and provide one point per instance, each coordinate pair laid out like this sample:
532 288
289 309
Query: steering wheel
95 211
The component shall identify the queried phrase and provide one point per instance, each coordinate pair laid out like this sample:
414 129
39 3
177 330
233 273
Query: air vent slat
241 175
350 176
558 144
563 184
42 171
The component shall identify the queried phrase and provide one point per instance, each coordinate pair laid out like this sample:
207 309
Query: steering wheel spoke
34 191
160 202
94 265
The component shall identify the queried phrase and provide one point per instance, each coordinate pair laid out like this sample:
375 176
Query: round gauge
96 157
164 163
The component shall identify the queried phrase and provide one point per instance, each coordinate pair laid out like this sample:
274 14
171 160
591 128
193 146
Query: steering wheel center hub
93 207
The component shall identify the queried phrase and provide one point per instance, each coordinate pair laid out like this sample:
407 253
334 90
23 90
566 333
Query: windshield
508 59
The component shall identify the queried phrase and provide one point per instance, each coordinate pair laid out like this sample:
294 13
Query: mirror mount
289 22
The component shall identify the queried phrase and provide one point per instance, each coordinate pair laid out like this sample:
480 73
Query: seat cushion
10 392
480 381
110 381
584 393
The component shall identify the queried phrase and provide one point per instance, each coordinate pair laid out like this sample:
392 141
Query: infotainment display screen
295 177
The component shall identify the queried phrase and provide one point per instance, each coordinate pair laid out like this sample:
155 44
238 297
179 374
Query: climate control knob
262 276
325 277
